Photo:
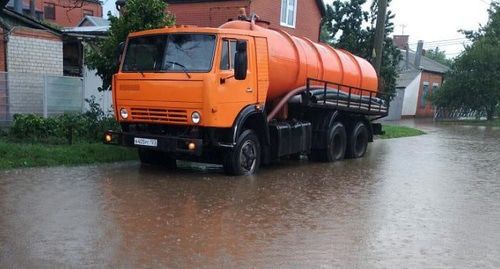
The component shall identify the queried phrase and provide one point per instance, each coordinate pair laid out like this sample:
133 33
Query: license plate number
145 142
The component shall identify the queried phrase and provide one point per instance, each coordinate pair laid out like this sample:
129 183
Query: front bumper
176 145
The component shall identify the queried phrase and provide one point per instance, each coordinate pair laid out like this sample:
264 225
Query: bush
65 128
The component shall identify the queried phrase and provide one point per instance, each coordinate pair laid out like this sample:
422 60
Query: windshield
170 53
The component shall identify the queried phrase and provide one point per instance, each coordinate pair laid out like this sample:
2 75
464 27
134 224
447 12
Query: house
419 77
297 17
42 68
27 48
64 13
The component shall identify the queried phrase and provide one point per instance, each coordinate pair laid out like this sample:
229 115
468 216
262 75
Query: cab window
227 56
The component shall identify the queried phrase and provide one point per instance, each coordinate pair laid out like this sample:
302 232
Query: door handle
249 90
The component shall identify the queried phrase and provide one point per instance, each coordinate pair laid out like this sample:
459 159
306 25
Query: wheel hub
248 156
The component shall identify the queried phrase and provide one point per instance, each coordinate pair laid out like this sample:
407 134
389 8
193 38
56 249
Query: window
227 56
170 53
87 12
435 87
425 94
49 11
288 12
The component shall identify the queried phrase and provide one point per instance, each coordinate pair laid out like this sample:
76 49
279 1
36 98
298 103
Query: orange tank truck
241 95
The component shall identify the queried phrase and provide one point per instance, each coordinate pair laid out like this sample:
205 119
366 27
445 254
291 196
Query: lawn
395 131
17 155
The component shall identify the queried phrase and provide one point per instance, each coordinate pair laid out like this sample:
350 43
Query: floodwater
431 201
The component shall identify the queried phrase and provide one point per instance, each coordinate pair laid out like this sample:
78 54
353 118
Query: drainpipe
32 9
18 6
407 62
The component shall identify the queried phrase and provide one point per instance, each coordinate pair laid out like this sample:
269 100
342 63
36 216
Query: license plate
145 142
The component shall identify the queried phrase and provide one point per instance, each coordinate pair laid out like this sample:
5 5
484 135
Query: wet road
424 202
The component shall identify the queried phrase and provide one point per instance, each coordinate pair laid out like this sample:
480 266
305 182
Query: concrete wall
411 98
92 82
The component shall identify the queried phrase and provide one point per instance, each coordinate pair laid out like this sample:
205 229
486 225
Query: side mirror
241 60
119 51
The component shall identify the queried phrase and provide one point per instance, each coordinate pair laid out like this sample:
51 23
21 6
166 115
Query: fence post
45 98
82 79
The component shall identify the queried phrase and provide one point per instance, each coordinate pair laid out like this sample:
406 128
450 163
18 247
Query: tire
245 157
335 145
157 158
358 141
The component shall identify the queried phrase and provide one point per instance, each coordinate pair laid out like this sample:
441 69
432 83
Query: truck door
236 94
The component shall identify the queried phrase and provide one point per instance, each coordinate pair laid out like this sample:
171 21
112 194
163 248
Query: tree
474 80
438 56
344 27
138 15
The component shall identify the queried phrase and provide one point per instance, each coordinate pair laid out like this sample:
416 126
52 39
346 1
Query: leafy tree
136 16
438 56
344 27
474 80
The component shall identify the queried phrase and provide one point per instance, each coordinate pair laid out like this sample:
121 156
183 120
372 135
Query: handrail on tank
352 92
353 102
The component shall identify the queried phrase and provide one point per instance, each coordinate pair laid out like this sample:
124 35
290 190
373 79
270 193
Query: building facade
297 17
65 13
419 77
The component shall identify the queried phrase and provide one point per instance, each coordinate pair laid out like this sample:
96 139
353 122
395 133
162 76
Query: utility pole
379 34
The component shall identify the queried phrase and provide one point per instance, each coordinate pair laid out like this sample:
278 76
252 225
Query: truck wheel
335 147
152 157
245 157
358 141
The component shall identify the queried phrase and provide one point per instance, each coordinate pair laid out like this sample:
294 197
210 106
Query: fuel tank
294 59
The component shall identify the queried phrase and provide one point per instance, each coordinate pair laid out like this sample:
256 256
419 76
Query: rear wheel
358 141
335 146
245 157
153 157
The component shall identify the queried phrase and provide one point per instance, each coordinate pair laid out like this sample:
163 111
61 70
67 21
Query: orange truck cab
241 95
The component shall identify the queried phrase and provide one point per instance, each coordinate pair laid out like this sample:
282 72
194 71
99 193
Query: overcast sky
430 20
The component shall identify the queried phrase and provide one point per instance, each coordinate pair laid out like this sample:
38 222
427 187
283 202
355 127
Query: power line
442 41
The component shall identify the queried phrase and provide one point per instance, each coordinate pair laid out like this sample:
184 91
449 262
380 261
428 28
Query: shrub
65 128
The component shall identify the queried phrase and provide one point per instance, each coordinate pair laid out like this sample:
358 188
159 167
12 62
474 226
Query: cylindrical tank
294 59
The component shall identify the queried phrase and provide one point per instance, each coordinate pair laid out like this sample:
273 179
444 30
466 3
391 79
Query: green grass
495 122
18 155
394 131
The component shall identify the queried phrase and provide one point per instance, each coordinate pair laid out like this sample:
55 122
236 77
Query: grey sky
428 20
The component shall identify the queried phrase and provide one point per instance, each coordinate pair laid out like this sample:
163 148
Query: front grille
159 115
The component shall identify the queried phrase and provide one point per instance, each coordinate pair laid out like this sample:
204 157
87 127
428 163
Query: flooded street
420 202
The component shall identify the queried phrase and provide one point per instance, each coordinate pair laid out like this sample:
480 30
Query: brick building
297 17
66 13
419 77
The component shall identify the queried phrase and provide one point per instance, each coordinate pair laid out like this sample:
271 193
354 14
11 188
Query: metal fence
45 95
457 114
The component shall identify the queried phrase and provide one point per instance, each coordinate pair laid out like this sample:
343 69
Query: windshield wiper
181 66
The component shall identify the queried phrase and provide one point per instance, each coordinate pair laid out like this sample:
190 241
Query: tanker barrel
292 60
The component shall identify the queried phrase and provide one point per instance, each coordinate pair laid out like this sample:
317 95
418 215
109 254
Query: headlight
196 117
124 113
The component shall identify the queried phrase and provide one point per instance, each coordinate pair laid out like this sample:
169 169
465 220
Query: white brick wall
33 55
28 60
